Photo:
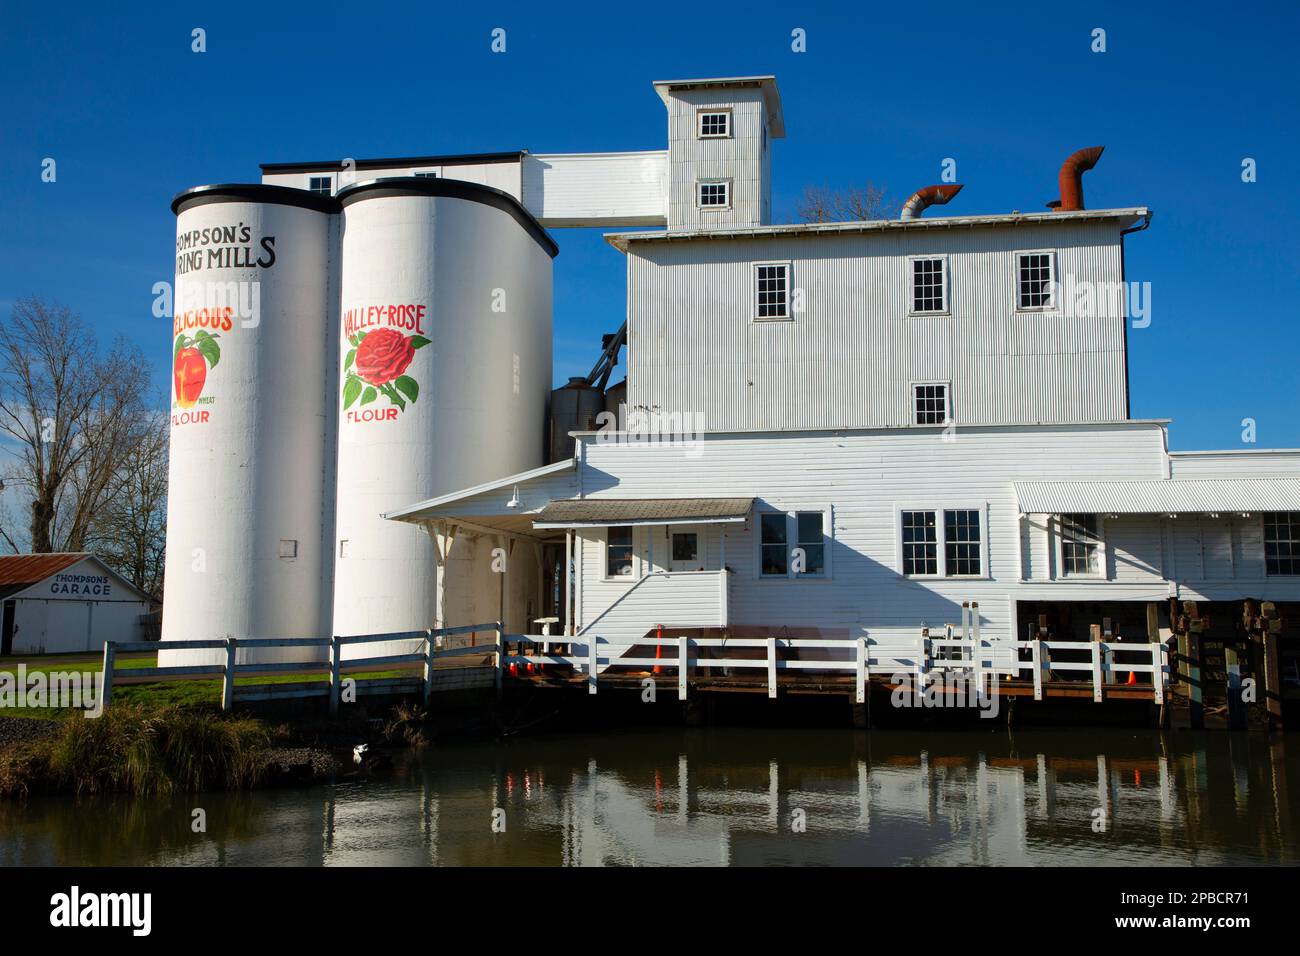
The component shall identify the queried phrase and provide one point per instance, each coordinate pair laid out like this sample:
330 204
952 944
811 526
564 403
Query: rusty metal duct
1071 179
923 199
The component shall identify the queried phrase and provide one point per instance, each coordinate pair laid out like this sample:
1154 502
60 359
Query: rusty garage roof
18 571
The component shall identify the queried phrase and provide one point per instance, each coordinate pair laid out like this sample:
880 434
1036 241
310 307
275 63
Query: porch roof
1159 496
600 512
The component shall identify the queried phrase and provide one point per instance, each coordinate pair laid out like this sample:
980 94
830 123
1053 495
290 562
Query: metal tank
444 359
253 416
575 407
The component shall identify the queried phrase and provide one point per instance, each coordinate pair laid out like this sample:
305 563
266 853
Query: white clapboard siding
630 611
850 357
597 189
1283 463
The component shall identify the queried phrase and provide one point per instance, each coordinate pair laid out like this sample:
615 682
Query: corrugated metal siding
1171 496
739 158
849 359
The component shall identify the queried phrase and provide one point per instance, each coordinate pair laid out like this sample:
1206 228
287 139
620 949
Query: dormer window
715 124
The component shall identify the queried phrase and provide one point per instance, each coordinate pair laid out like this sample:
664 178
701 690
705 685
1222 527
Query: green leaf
393 396
418 341
351 389
210 350
347 362
368 396
408 387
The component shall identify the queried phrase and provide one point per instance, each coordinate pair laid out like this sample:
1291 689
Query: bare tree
854 204
72 415
130 532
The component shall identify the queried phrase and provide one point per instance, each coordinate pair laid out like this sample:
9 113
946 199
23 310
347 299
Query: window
425 174
930 403
772 544
808 531
929 286
715 124
961 542
1282 542
324 185
950 549
715 194
686 546
618 553
920 543
1034 278
772 290
1080 545
343 547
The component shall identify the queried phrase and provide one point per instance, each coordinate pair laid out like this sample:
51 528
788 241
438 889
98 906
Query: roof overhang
444 507
767 84
1171 496
1122 217
604 512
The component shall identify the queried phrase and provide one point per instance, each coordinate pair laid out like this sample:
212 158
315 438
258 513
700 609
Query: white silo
253 413
445 369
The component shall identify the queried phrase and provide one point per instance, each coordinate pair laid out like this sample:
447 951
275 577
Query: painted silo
253 419
445 368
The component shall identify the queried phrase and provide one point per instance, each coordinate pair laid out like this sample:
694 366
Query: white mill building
869 422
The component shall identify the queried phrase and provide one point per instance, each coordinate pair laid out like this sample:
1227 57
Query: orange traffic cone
1132 678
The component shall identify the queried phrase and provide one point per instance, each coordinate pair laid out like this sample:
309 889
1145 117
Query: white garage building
56 603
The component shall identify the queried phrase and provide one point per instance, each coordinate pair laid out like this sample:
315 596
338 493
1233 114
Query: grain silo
253 418
445 368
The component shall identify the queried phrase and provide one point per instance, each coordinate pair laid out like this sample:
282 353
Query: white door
685 551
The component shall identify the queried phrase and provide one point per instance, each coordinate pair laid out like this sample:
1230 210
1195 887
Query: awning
602 512
1168 496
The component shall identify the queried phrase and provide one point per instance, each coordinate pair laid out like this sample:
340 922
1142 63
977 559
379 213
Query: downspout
1123 278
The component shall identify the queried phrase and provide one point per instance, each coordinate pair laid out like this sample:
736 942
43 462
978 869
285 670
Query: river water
728 797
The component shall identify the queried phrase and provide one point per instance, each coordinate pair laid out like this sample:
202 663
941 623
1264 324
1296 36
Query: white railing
336 665
980 659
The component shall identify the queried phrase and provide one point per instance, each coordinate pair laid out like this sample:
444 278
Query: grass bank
143 751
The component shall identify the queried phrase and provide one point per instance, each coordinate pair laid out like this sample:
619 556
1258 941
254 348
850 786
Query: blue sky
1182 94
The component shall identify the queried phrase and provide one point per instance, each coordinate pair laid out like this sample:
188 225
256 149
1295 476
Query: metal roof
621 240
31 568
580 512
767 84
433 507
1162 496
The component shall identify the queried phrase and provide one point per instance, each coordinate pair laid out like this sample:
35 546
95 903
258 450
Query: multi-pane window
618 553
322 185
808 530
929 286
773 291
715 195
920 543
715 124
961 542
425 174
951 548
1282 542
930 404
773 556
1033 280
1080 544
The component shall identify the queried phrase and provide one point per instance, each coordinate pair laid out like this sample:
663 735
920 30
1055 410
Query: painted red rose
383 355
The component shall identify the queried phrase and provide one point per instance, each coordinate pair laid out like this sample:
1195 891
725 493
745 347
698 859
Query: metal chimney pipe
923 199
1071 178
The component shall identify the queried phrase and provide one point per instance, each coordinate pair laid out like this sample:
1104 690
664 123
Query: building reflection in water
726 797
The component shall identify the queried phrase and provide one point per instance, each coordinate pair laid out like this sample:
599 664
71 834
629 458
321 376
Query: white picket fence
922 659
431 649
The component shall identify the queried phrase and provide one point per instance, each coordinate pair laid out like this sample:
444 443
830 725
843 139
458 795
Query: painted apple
190 372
